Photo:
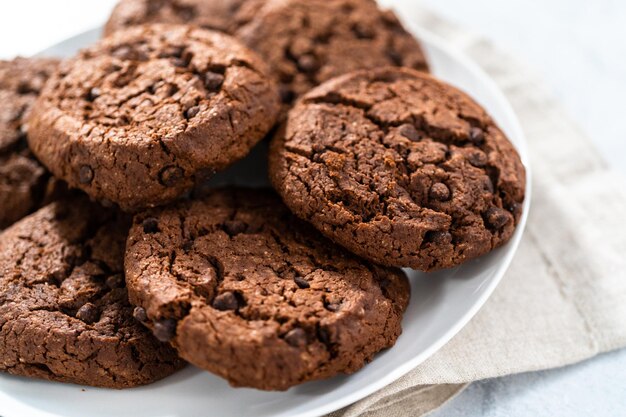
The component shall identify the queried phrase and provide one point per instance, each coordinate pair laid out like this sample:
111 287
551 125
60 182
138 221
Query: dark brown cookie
399 168
244 289
209 14
24 183
64 311
145 113
307 42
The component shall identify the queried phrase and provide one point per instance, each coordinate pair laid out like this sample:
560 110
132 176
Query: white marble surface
577 46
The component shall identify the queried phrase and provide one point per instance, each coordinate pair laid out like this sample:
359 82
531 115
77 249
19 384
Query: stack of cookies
119 261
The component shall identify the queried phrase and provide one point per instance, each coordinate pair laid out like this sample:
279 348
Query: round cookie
24 184
209 14
21 81
142 115
399 168
244 289
307 42
64 311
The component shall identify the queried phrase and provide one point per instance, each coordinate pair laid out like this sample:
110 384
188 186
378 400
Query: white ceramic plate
441 304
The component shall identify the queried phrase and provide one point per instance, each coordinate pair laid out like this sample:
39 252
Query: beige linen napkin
562 300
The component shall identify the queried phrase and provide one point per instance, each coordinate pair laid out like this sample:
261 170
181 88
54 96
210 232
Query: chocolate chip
477 136
187 57
170 176
409 131
332 306
323 335
213 81
115 281
94 93
301 282
150 225
88 313
363 31
140 315
440 191
496 218
515 208
296 337
226 301
477 158
179 62
395 58
308 63
438 237
25 88
124 52
192 112
234 227
85 174
323 38
165 330
172 51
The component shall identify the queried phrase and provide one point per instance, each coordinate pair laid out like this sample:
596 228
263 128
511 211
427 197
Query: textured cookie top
64 311
244 289
307 42
21 81
137 118
23 180
216 14
399 168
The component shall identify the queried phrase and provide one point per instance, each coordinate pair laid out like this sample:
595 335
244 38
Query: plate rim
522 148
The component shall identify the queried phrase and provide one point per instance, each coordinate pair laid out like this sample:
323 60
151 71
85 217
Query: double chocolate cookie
24 184
244 289
144 114
209 14
307 42
399 168
64 311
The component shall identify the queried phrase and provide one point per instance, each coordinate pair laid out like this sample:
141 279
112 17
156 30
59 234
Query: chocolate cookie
209 14
244 289
399 168
139 117
307 42
24 184
64 311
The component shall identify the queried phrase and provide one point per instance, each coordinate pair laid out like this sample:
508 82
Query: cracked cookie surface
307 42
399 168
216 14
25 185
141 116
244 289
64 310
